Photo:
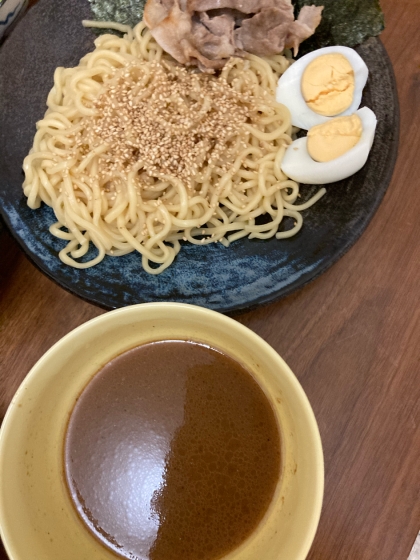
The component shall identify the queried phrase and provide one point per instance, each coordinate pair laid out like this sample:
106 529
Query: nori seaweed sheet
129 12
344 22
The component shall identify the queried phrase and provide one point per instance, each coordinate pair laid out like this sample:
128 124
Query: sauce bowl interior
37 518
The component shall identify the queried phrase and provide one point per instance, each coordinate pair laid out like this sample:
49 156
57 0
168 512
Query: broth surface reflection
172 452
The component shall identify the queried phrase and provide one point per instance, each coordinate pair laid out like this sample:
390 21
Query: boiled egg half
331 151
323 84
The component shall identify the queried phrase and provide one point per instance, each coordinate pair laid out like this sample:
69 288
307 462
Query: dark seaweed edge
347 23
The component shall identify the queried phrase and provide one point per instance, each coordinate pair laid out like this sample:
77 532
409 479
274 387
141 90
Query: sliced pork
244 6
206 33
308 20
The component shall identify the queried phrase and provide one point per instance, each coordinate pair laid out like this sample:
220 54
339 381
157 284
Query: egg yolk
327 84
334 138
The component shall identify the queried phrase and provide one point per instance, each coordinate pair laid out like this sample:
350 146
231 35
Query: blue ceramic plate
247 274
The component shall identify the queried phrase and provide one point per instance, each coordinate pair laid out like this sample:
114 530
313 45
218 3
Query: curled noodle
123 205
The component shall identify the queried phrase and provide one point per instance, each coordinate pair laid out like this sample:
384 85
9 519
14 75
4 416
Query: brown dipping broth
172 452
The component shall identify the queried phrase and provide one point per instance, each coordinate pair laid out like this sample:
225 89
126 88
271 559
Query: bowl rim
6 431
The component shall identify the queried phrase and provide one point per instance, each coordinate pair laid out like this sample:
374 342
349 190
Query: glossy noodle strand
136 153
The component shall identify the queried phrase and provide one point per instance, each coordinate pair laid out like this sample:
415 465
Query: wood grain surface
352 337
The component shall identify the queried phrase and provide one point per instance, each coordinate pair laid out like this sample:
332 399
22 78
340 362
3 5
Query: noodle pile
138 153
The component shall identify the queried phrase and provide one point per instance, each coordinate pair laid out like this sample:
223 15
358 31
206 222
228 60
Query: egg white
299 166
289 87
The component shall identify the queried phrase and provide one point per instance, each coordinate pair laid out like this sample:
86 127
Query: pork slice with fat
265 33
172 29
244 6
308 20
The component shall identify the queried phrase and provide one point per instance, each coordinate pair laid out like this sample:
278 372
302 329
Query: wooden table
352 337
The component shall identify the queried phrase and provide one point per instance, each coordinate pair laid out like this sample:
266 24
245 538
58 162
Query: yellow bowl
37 518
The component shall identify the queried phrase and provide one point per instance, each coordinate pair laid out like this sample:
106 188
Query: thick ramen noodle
137 153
